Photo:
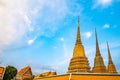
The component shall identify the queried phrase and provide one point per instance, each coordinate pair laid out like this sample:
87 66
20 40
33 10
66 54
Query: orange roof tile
2 70
48 74
23 70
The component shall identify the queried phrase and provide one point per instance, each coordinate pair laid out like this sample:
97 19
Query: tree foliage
28 79
10 72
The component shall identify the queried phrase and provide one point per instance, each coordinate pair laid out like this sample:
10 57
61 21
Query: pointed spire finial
78 40
78 21
97 45
109 56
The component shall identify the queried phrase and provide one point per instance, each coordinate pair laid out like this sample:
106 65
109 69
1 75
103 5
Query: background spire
111 67
78 40
99 66
109 56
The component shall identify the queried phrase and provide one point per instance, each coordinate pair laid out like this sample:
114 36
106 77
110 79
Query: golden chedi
99 66
79 61
111 67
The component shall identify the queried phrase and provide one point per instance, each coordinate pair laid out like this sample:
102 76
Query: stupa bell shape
79 62
111 67
99 66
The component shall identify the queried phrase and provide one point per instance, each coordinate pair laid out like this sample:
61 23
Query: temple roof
2 71
24 70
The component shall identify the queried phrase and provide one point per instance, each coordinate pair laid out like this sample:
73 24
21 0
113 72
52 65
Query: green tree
28 79
10 72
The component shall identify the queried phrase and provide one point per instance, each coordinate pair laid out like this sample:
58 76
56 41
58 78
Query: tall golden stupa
111 67
79 61
99 66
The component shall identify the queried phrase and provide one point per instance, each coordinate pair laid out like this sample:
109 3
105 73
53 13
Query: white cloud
102 3
11 26
28 22
87 35
18 19
31 41
62 39
22 19
106 26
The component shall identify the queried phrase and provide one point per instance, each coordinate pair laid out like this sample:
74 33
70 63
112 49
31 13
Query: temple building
24 73
2 71
46 74
79 68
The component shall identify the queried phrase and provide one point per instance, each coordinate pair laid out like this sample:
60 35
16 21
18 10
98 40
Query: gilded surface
99 66
79 62
111 67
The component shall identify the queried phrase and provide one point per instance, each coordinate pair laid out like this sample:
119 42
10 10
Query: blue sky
42 33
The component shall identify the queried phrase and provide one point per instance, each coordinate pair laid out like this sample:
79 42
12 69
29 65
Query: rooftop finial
78 40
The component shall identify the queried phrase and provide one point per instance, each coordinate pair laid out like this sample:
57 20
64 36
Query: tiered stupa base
79 64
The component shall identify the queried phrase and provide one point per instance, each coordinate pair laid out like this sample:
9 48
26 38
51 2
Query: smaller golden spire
109 56
78 40
99 66
111 66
